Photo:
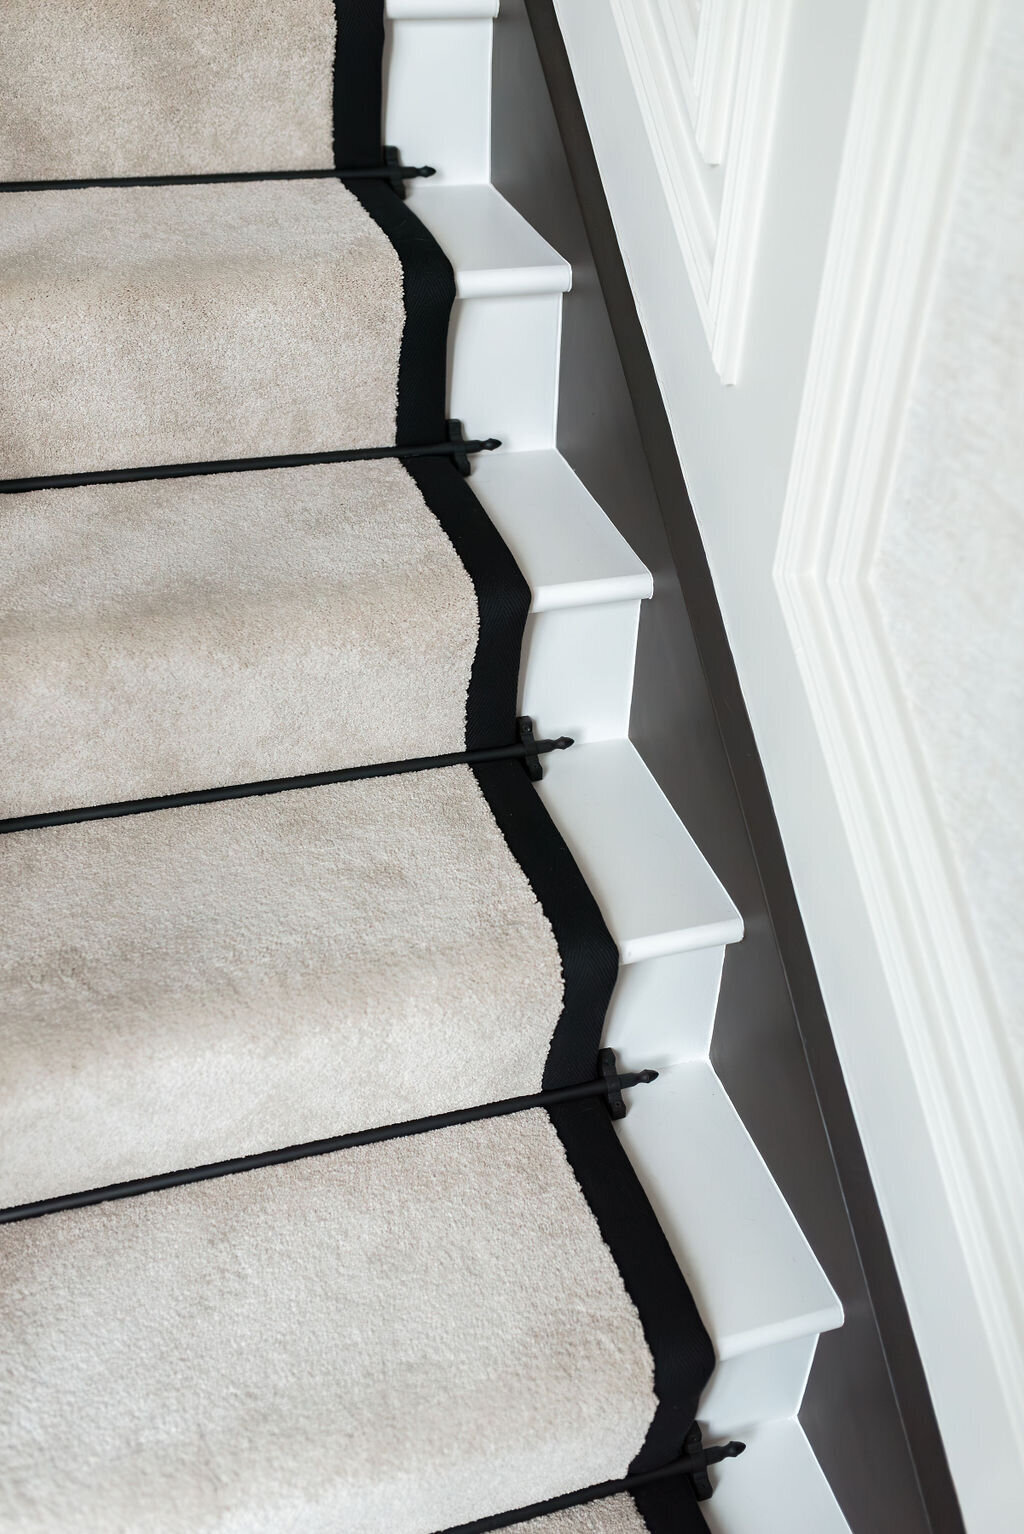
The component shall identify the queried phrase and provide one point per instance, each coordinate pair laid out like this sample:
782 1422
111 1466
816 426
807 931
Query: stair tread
171 635
567 548
493 250
389 1338
655 889
723 1214
179 324
237 977
229 628
176 90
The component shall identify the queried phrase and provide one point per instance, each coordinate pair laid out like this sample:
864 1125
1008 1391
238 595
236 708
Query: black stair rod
382 172
524 750
609 1083
693 1465
455 449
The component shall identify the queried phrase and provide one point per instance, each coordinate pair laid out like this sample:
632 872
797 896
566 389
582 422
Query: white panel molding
917 81
706 75
702 41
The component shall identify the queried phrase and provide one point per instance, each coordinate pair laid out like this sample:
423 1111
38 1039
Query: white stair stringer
763 1295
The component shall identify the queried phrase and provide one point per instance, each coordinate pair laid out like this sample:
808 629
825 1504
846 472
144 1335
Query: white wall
842 400
948 571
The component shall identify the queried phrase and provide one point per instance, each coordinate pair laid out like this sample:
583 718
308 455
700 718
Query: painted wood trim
706 81
916 86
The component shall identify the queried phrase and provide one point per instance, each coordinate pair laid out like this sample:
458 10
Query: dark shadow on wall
867 1411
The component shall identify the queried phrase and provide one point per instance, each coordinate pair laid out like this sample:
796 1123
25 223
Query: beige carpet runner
312 1213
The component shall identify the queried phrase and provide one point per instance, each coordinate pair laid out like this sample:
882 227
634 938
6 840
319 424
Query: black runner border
680 1346
670 1507
503 595
428 284
357 100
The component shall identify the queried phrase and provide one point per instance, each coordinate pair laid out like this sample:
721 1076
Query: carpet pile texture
177 634
165 87
178 324
398 1337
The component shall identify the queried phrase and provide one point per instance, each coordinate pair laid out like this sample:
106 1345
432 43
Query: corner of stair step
727 1218
657 892
569 551
494 252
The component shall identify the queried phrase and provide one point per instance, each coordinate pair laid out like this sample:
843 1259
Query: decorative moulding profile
706 76
917 82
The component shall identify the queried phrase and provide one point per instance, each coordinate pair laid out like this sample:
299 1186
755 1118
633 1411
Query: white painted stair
763 1296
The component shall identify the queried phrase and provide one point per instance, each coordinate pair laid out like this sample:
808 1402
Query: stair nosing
546 273
441 10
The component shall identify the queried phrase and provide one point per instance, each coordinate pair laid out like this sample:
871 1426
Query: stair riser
757 1387
777 1487
577 675
663 1010
438 95
516 399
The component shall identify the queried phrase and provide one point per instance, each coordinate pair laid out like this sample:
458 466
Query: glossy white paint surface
432 10
494 251
757 1386
577 671
776 1487
746 1260
562 541
517 401
656 892
437 101
663 1009
509 284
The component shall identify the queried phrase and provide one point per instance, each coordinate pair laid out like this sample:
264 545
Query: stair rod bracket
697 1458
531 755
399 175
462 446
615 1081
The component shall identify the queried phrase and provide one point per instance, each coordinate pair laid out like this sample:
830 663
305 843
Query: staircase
474 1309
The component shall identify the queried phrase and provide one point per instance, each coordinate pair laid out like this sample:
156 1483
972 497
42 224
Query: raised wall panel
706 77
